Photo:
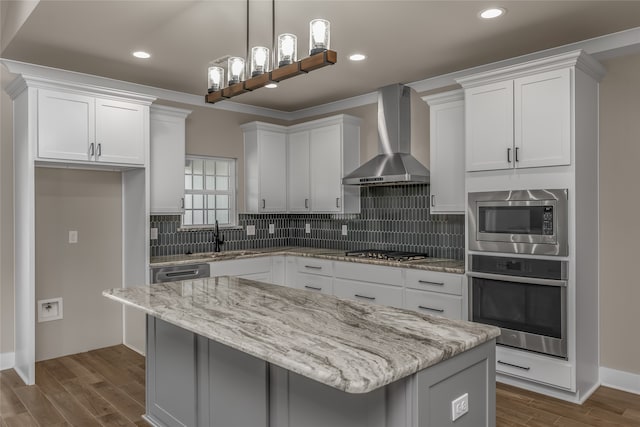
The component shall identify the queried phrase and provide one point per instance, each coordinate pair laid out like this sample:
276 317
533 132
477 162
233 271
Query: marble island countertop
352 346
430 264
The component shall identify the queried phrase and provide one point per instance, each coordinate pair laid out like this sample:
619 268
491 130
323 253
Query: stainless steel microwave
522 222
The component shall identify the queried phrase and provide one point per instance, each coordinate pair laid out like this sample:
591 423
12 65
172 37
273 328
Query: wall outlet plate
49 309
307 228
251 230
272 228
73 236
459 406
344 229
153 234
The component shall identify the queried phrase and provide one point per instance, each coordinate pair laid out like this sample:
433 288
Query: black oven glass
532 220
536 309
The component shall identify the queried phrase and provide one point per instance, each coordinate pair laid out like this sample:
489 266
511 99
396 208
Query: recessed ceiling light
491 13
141 54
357 57
271 86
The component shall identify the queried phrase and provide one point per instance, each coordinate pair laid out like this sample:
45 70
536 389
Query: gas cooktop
387 255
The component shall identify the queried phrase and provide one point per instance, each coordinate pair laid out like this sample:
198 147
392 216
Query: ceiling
405 41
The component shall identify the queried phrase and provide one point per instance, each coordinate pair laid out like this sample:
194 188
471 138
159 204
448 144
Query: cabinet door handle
524 368
337 202
91 150
508 155
437 310
306 203
426 282
517 148
365 297
99 150
313 288
433 200
264 203
313 267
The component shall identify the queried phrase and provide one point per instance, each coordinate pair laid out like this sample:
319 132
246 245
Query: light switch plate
344 230
73 236
251 230
307 228
272 228
154 234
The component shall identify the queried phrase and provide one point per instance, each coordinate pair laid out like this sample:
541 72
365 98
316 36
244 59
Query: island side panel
473 373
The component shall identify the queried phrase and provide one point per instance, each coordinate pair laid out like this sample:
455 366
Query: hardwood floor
106 388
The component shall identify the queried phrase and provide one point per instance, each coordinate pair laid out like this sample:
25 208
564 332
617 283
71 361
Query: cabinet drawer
368 273
446 283
554 372
314 282
315 266
368 292
434 303
241 267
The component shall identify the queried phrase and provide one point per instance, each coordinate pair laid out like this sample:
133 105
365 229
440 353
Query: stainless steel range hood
394 164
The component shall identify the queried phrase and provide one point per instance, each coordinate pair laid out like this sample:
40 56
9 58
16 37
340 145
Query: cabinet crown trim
338 119
263 126
24 81
444 97
169 111
578 59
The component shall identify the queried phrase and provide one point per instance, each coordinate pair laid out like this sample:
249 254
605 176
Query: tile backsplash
391 217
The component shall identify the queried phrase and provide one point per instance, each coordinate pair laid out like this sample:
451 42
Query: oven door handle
518 279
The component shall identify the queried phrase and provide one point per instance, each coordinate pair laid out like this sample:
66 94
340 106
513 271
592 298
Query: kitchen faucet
218 239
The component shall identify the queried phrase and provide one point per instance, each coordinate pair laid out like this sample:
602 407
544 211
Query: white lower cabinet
446 283
368 292
250 268
314 282
533 367
449 306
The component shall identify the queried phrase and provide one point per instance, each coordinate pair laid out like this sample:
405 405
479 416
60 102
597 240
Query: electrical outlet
73 236
153 235
272 228
251 230
307 228
344 230
49 309
459 406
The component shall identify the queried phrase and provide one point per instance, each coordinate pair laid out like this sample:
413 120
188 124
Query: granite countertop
430 264
352 346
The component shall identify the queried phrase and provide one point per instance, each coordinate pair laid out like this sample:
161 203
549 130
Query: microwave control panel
547 221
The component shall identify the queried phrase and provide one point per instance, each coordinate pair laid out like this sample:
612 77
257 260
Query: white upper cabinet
80 127
521 116
300 168
446 111
265 168
299 189
167 159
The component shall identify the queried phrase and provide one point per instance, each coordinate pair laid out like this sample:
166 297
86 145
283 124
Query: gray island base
230 352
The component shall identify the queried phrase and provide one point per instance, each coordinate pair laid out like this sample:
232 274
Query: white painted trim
604 47
169 111
7 360
444 97
620 380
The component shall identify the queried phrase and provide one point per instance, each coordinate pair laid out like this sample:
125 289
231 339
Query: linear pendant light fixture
286 59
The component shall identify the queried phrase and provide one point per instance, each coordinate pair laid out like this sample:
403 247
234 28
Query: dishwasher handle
184 272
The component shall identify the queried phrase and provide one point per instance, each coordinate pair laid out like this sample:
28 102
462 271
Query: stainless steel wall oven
525 297
523 221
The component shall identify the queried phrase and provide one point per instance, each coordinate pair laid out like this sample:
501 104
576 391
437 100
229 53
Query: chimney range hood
395 164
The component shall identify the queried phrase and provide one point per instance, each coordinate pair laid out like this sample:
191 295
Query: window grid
209 191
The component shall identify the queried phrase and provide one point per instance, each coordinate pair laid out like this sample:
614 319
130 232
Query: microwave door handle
518 279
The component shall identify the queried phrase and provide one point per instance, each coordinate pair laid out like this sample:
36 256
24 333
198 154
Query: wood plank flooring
106 388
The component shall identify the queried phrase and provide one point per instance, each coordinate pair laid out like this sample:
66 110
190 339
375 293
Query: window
210 191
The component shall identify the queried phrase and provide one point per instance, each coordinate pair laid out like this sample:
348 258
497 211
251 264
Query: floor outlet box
459 406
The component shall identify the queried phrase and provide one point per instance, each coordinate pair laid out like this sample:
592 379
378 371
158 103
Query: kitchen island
227 352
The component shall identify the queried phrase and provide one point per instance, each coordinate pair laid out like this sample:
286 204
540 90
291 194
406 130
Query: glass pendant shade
318 36
259 60
235 70
216 78
287 49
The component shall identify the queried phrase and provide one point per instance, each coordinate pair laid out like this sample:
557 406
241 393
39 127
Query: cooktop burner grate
387 255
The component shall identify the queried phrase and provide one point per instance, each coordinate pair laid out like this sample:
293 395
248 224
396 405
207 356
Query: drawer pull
426 282
315 288
365 297
524 368
313 267
438 310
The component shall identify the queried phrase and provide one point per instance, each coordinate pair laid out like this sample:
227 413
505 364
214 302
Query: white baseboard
621 380
7 360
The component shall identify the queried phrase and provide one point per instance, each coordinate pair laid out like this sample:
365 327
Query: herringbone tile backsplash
391 217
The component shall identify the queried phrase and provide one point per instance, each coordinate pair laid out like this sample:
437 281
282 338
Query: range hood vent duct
394 164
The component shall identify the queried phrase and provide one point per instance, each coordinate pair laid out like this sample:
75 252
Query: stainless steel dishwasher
179 272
